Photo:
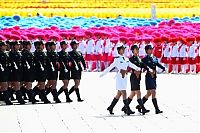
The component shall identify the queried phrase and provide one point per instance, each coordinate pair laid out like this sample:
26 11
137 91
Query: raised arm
115 62
133 66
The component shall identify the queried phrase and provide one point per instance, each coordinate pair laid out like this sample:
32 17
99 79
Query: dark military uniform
4 66
150 78
16 66
77 60
52 65
64 60
135 78
40 66
28 66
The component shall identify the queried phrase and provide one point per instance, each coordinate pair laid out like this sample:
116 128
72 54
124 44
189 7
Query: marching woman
192 54
41 69
28 70
16 70
165 59
98 51
135 79
122 64
65 63
78 65
4 73
141 49
183 55
175 55
89 50
52 74
107 50
150 78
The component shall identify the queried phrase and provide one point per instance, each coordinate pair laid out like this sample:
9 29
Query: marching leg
78 95
71 90
113 103
128 110
19 97
55 96
67 95
154 100
60 91
144 110
144 99
6 98
43 96
31 96
129 101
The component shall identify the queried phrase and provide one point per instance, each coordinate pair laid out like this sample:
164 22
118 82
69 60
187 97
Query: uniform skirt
121 83
150 82
198 59
175 60
29 75
52 75
41 76
135 83
107 57
16 75
183 60
89 57
98 57
165 60
76 74
4 75
64 75
192 61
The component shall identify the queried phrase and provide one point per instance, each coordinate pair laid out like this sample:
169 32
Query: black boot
47 90
1 96
154 100
138 106
11 93
19 97
6 98
144 110
67 96
23 92
55 95
61 91
71 90
113 103
78 95
31 97
43 96
129 101
35 91
128 110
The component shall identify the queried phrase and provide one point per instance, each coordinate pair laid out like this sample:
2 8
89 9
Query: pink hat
63 34
15 37
188 39
6 35
40 36
123 39
156 40
97 34
54 27
24 38
16 27
2 38
132 39
54 37
114 40
30 36
15 32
